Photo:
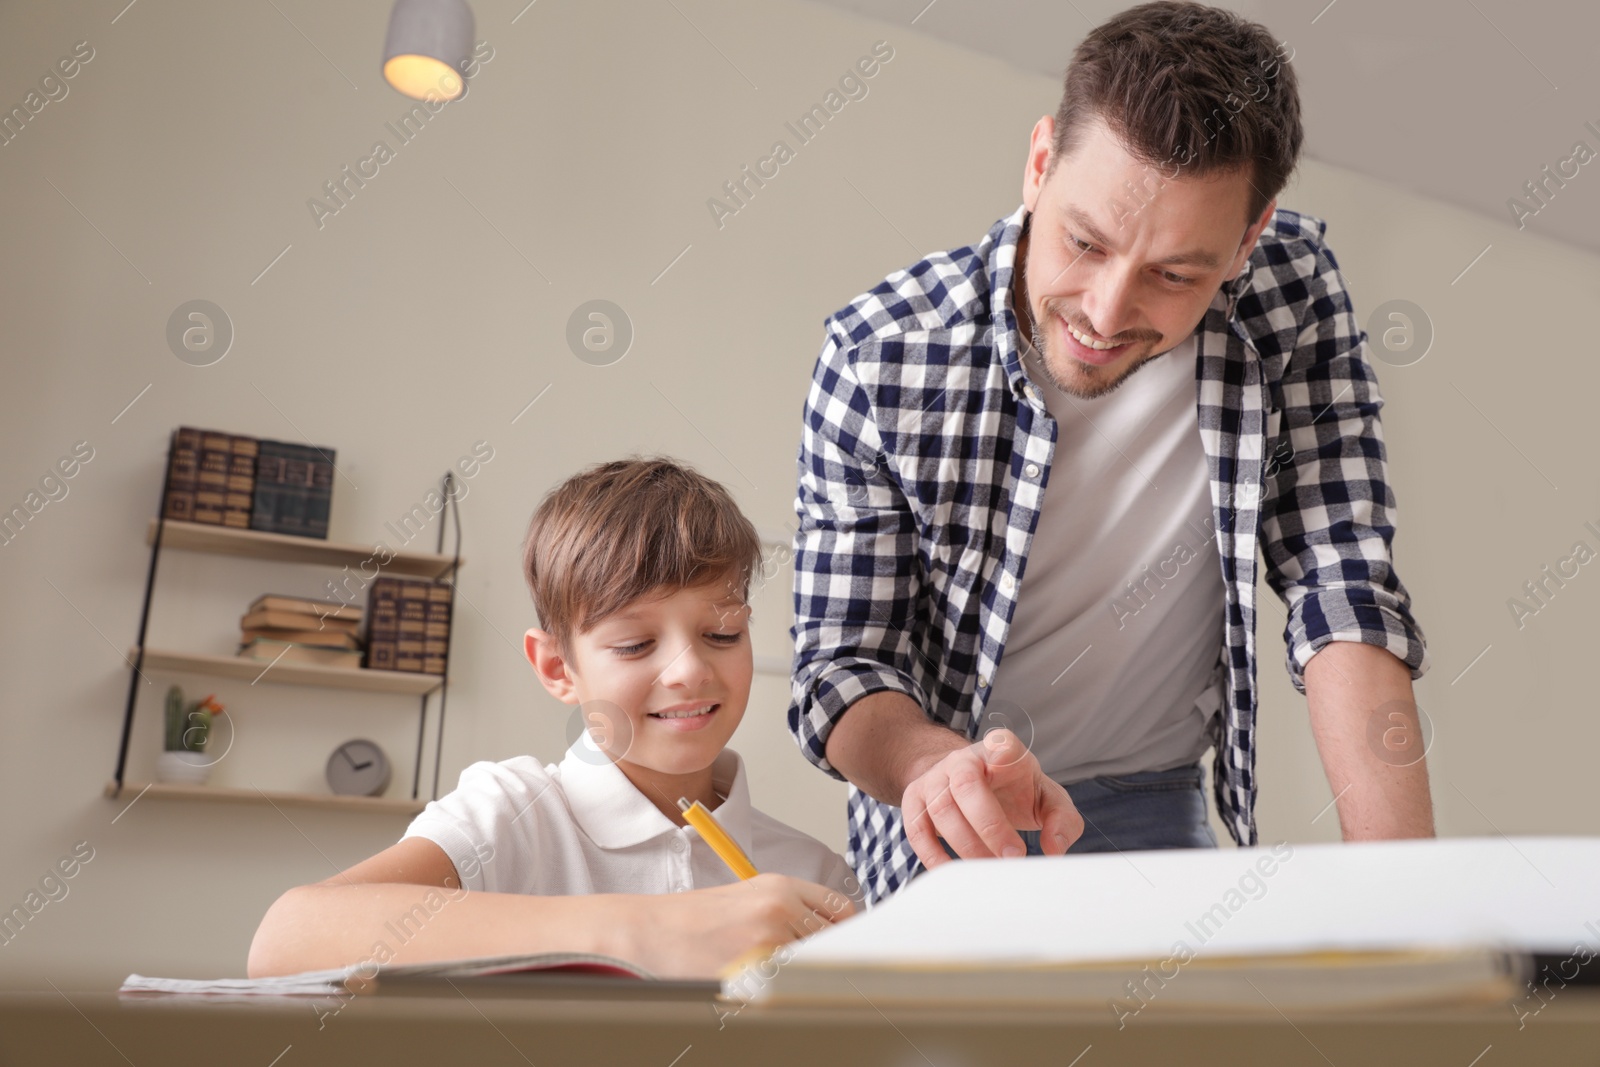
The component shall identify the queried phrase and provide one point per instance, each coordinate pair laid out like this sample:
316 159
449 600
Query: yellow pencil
714 835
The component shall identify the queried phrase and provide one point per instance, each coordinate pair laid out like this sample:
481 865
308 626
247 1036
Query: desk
97 1028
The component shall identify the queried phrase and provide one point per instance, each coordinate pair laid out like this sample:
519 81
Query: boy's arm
406 905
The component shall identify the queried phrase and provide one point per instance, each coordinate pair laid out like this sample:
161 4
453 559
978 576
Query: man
1035 473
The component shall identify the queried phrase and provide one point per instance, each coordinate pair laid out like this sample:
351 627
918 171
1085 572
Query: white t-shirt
1119 618
582 827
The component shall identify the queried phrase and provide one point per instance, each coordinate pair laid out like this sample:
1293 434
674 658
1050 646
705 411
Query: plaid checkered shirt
926 450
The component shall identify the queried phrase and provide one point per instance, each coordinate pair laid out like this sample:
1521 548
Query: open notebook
554 972
1338 926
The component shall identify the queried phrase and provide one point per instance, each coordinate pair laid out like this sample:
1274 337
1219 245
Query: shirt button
677 844
1031 470
1007 583
983 681
1033 394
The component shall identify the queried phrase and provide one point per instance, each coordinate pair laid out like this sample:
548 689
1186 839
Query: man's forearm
1364 719
884 741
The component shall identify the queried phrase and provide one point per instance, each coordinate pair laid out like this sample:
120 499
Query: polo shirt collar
615 814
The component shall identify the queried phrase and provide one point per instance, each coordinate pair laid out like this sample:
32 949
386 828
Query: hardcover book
269 651
321 638
297 620
329 609
408 625
241 483
294 489
436 629
183 462
383 624
211 489
210 477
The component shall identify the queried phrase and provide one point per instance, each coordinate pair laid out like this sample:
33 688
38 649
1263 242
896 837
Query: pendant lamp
427 48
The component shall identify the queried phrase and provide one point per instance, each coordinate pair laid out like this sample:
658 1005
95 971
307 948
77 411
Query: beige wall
425 315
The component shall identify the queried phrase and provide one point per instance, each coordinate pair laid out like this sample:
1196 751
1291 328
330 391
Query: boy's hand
696 934
977 797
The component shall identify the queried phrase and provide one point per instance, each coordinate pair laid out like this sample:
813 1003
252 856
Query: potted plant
188 730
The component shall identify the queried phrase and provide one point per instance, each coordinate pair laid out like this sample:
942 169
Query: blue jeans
1131 812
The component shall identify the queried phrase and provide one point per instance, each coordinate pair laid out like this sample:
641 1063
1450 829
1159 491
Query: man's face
1127 254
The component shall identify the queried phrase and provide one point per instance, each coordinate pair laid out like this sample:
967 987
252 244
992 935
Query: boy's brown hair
618 531
1191 87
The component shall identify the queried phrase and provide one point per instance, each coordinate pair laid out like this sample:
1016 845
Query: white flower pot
189 768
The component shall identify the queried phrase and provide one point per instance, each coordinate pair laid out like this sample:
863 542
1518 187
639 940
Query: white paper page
319 983
1535 894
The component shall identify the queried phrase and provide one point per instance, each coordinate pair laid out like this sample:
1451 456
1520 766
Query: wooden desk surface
87 1029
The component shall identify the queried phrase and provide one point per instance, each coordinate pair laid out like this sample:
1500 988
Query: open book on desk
547 973
1339 926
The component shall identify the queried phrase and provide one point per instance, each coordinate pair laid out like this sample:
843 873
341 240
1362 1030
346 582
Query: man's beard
1083 390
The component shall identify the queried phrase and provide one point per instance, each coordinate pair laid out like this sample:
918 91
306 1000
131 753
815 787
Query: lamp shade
427 48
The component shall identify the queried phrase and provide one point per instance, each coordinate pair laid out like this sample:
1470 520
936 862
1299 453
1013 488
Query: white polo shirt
582 827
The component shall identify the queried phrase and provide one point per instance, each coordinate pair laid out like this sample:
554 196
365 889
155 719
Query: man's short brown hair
1194 89
631 528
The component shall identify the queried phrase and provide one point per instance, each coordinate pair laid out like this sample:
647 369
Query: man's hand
696 934
979 796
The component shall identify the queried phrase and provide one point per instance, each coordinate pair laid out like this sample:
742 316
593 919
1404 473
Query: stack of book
210 477
232 480
408 625
301 630
293 489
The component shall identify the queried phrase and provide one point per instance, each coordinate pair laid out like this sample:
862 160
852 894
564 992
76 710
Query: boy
639 571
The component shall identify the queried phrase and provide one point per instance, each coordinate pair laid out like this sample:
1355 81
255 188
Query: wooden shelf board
285 673
176 791
229 541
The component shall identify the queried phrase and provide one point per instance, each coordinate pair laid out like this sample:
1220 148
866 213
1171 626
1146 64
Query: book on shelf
320 638
298 620
293 489
241 485
183 462
383 624
267 650
210 477
224 478
413 625
436 629
408 625
321 609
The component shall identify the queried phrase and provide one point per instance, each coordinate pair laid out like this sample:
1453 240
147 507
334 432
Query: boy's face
662 683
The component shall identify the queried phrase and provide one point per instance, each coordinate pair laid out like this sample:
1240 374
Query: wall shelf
184 536
285 548
285 673
214 794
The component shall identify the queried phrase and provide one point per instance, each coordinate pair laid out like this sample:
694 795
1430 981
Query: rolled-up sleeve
1329 518
856 578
